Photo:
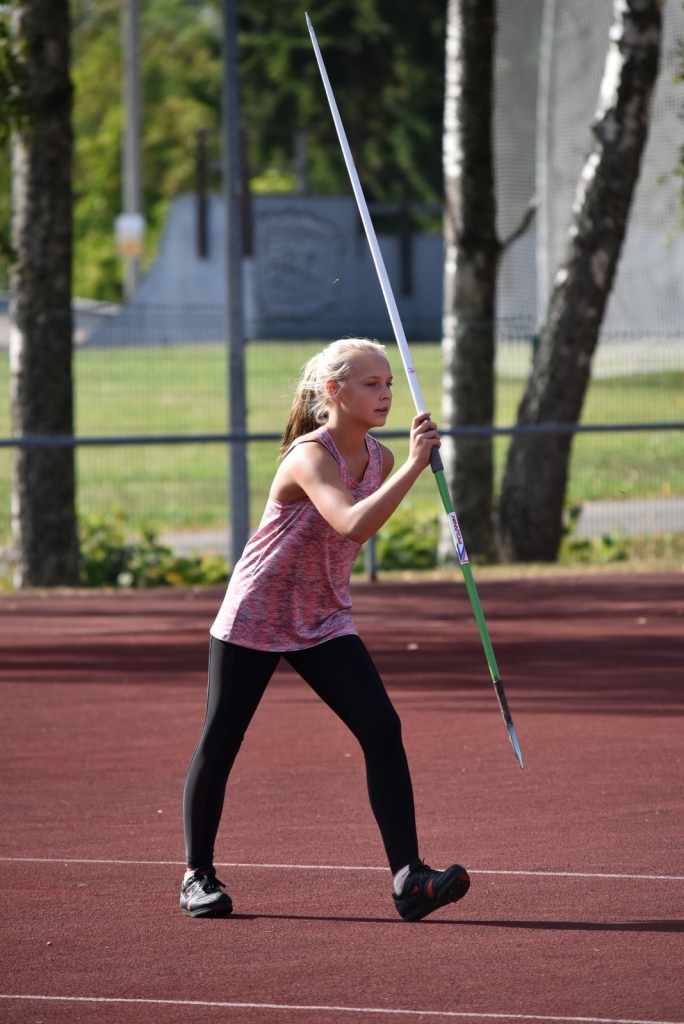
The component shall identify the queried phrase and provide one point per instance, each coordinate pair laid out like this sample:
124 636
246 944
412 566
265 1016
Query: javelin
435 458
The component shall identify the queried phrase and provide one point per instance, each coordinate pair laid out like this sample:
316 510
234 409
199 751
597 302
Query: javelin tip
514 743
308 21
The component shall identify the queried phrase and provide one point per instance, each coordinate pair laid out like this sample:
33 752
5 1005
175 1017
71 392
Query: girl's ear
332 389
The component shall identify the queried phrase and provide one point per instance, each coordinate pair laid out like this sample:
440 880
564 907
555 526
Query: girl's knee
383 733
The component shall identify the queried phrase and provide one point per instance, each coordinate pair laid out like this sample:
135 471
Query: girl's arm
318 475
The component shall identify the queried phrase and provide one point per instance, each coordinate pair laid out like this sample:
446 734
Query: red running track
102 702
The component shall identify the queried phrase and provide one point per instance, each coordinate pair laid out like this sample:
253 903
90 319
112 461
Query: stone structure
310 276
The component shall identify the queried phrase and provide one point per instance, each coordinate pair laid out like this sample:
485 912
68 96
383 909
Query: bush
112 555
595 550
409 540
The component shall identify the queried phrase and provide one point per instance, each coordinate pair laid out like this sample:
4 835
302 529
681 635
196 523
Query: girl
289 597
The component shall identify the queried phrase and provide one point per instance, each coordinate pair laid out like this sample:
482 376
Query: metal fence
151 436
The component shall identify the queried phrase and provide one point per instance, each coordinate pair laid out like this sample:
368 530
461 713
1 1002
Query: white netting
549 64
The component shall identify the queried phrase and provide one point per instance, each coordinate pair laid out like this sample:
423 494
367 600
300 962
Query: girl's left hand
424 437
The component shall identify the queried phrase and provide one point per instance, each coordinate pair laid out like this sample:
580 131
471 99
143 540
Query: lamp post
130 227
232 197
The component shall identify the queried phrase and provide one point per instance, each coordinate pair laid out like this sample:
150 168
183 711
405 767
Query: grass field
182 389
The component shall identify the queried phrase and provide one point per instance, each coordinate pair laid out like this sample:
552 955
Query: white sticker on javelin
458 539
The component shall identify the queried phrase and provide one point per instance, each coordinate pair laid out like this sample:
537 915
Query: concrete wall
311 276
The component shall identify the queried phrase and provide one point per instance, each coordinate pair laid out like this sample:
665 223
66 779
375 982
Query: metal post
544 241
406 247
370 558
132 163
201 232
232 195
246 205
301 163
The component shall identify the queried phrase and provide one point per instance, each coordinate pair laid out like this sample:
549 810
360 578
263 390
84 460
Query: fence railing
190 509
70 441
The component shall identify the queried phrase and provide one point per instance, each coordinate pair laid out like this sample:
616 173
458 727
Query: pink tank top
290 588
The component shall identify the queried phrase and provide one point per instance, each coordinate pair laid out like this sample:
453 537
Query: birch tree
43 516
533 493
471 260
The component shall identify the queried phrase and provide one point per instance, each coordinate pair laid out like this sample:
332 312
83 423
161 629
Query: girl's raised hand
424 438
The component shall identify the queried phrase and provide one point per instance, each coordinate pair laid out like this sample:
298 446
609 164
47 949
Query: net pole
542 159
232 183
435 457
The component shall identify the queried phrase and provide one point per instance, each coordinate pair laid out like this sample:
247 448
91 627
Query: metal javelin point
435 457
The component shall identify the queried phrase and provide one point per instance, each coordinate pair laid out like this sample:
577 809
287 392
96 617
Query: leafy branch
13 105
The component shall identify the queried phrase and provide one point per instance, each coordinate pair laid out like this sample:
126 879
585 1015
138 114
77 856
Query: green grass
182 389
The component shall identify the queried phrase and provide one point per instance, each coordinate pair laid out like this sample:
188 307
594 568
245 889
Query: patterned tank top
290 588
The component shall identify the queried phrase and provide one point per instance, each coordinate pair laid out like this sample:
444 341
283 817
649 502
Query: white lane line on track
337 1009
336 867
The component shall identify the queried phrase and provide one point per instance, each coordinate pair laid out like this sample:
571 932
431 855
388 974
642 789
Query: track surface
102 703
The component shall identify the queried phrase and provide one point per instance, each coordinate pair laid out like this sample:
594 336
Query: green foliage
12 113
386 63
6 252
98 122
181 88
110 557
594 550
648 550
409 540
13 99
271 181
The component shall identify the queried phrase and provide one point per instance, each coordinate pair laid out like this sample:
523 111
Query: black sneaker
201 895
425 890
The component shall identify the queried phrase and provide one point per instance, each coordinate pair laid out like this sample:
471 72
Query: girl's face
366 396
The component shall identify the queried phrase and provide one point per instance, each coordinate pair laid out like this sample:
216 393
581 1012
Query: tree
533 493
10 113
472 251
43 518
385 60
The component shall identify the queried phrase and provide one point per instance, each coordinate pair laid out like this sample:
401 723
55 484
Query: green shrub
409 540
112 555
595 550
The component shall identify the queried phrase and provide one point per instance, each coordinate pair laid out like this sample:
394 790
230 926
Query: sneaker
201 895
425 890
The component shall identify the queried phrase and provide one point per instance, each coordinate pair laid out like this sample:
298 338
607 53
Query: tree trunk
531 509
471 261
43 514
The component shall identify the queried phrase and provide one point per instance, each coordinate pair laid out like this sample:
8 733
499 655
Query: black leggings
342 673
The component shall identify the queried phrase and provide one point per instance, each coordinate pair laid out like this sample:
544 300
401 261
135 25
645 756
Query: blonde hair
311 401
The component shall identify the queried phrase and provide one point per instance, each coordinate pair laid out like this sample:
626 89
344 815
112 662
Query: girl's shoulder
314 436
387 459
312 446
301 463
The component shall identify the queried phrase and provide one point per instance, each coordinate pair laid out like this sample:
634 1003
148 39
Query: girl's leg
237 680
342 673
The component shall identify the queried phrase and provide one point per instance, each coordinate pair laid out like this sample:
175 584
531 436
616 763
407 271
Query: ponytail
311 401
303 414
